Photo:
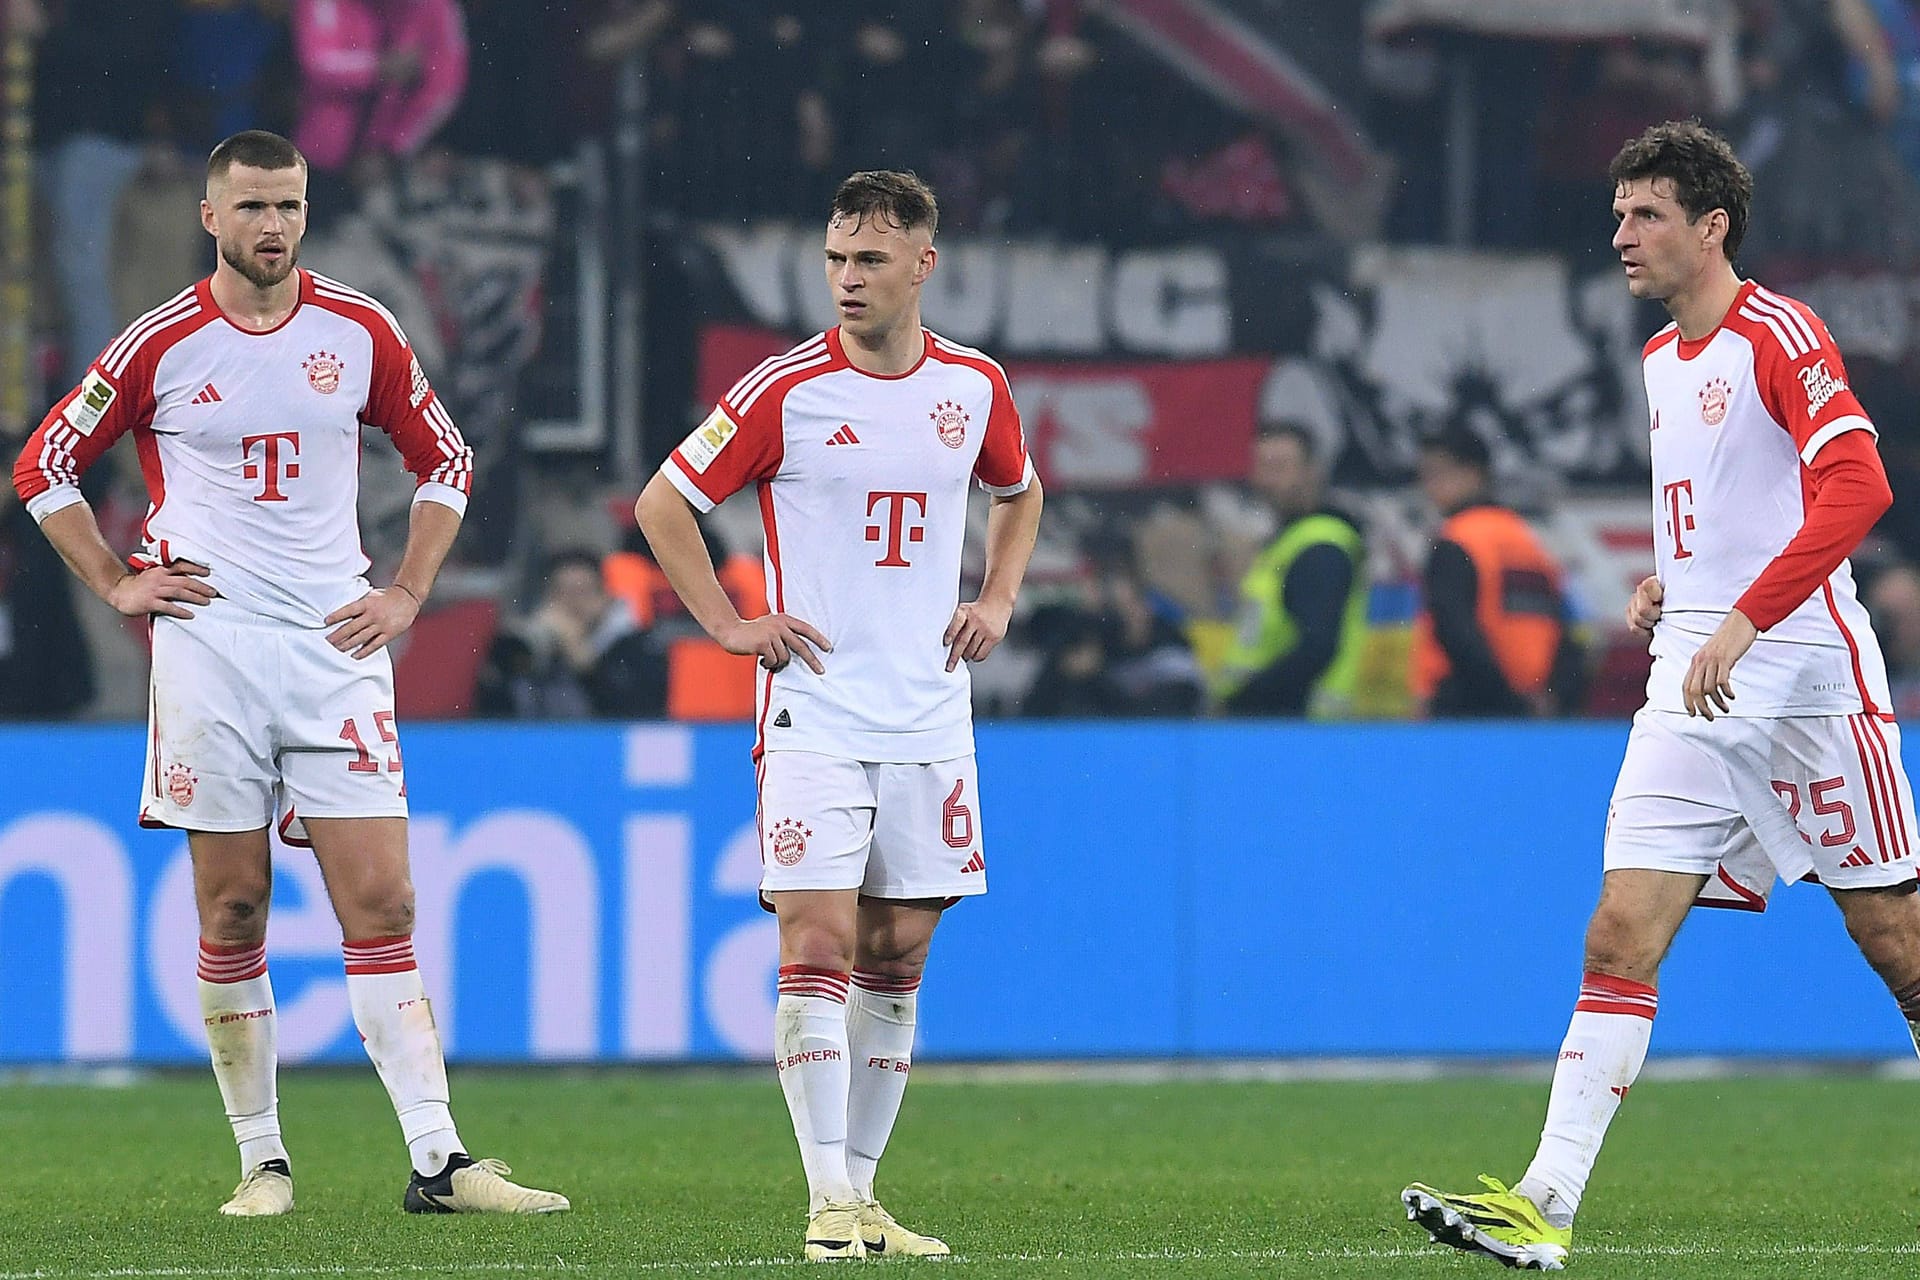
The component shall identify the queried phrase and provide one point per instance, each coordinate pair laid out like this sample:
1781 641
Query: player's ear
1714 229
924 268
206 217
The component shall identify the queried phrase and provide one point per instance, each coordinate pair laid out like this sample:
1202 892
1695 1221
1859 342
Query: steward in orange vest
1492 638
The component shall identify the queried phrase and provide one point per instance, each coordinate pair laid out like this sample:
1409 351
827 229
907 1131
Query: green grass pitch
694 1174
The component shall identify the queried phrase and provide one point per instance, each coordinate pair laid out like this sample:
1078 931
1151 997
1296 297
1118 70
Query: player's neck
890 354
251 307
1700 309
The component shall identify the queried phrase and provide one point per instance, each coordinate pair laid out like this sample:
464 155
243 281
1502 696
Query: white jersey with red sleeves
250 442
863 485
1738 418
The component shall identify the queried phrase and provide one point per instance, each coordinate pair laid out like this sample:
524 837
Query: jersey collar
1688 350
839 350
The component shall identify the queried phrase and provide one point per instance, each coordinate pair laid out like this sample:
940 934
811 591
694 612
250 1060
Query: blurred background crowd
1308 305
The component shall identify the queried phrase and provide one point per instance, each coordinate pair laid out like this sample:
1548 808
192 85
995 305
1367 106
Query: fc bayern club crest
950 420
180 784
323 372
789 841
1713 402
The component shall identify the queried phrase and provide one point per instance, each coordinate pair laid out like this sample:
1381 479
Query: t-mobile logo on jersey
895 516
270 459
1679 496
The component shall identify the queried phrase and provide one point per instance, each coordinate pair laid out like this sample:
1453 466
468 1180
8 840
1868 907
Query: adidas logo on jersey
844 436
207 395
976 863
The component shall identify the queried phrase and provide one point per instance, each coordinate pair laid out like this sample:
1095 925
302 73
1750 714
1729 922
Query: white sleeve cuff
1838 427
444 494
684 483
1009 490
57 498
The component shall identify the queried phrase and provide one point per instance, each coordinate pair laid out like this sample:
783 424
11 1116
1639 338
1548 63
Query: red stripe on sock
1604 993
220 963
1610 985
810 980
1607 1006
379 955
885 984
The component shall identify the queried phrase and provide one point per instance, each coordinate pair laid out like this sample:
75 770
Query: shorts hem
895 894
152 823
304 814
1656 863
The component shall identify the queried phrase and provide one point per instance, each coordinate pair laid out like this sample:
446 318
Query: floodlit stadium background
1171 219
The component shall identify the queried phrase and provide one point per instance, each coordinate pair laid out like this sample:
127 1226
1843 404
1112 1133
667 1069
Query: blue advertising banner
587 893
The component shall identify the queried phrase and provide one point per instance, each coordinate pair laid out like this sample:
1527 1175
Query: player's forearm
430 533
1850 496
75 534
1013 525
673 533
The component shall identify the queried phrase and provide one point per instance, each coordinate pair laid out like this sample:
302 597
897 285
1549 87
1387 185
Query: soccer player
272 692
1765 477
862 441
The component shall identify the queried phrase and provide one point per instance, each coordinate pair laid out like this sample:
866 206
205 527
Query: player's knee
237 914
1889 938
1620 946
817 946
386 913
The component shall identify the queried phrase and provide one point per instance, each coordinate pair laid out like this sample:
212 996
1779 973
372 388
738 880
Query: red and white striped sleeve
402 403
744 439
114 397
1801 378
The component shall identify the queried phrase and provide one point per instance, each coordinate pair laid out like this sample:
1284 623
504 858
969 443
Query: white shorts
1820 795
889 830
248 718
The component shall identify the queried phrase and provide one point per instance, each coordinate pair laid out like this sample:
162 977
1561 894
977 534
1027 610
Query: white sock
810 1052
1606 1046
880 1020
396 1024
236 1002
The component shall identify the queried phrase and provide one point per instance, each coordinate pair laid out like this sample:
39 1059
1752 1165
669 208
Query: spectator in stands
1303 602
1116 652
1493 636
1802 135
632 576
580 654
236 61
378 79
99 80
1894 601
1883 73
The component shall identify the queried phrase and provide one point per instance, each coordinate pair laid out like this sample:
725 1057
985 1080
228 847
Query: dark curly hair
1705 173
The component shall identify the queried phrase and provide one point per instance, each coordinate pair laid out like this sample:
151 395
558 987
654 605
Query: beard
260 274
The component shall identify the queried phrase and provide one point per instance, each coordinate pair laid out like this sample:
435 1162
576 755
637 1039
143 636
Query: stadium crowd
1289 592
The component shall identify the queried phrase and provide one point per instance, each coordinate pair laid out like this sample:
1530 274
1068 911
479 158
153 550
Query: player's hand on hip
162 588
775 639
1644 609
372 622
1709 681
976 631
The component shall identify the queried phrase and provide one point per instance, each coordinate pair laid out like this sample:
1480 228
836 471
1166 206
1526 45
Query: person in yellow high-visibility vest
1303 603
